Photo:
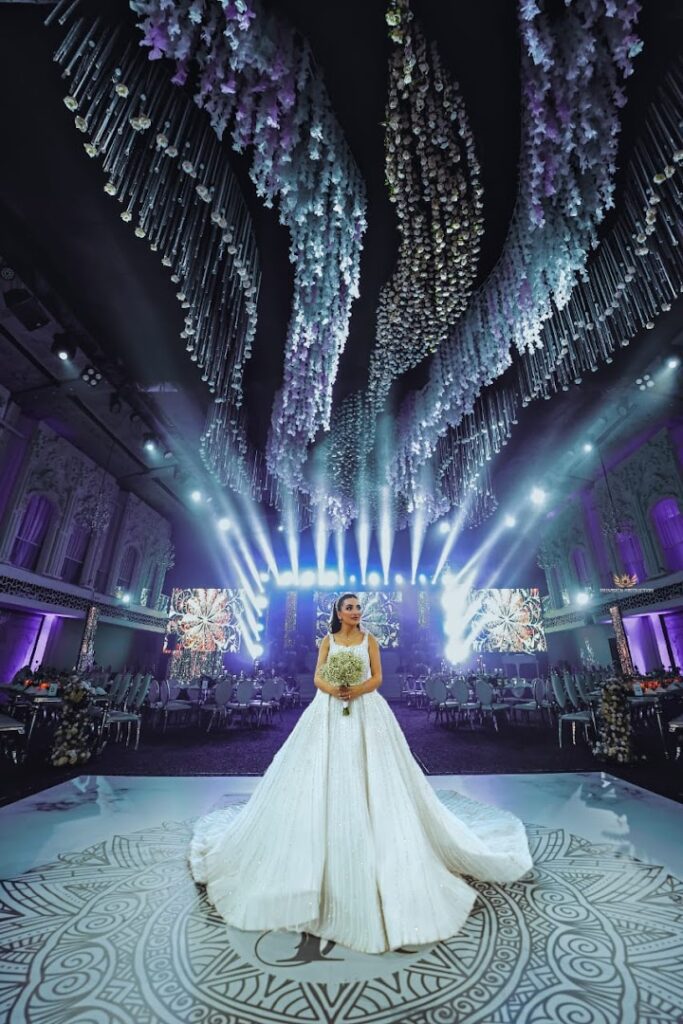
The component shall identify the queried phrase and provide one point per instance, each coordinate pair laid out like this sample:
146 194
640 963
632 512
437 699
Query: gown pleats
344 838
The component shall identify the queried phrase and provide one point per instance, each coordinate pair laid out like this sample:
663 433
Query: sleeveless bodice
360 649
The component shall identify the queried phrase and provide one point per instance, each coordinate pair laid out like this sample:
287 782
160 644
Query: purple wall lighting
631 554
19 639
668 523
32 532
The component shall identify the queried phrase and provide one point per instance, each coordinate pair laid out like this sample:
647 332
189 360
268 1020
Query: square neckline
364 633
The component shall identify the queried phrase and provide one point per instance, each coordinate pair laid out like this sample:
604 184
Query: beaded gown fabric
344 838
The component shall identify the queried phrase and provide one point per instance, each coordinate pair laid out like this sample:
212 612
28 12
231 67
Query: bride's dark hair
335 621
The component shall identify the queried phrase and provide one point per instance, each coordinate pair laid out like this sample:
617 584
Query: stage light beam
386 531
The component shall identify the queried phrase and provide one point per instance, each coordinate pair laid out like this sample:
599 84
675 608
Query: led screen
204 621
509 621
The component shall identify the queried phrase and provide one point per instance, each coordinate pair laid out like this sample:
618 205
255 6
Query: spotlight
588 447
196 496
374 579
352 578
224 524
673 363
149 443
168 454
91 376
125 598
444 527
582 598
261 602
510 521
280 528
258 650
264 577
398 579
330 578
63 347
537 495
307 578
286 578
422 578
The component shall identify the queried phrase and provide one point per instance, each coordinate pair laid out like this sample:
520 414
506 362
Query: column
623 649
57 550
652 556
91 560
86 652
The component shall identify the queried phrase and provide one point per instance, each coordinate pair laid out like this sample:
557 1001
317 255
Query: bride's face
350 612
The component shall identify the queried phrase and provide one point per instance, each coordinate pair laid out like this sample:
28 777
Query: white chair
169 705
539 702
267 703
439 701
132 713
487 706
460 693
219 708
12 738
243 701
574 717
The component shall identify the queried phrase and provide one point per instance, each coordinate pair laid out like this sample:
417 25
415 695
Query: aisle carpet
440 750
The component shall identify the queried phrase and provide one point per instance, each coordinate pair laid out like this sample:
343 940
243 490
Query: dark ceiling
63 234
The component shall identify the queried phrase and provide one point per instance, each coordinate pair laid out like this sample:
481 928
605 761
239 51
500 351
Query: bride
343 837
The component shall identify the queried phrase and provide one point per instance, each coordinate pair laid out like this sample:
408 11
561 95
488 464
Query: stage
103 923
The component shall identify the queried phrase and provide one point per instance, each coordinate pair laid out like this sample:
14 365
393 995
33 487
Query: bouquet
343 669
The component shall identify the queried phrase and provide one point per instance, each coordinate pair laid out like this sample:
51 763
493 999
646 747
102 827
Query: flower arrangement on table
615 737
73 740
343 669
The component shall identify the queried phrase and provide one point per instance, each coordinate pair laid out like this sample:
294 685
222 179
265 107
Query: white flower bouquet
343 669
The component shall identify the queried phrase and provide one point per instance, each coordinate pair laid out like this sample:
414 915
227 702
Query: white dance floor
101 922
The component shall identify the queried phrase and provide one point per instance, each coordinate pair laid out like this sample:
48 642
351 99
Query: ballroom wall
619 540
71 537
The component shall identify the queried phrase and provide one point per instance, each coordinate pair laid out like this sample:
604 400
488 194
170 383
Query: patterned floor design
117 933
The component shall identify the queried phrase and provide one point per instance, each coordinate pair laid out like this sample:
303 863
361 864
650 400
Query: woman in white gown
343 837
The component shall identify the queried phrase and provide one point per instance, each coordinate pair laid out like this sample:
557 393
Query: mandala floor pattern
117 932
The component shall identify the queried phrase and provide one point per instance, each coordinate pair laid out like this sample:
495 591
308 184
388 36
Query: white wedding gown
344 838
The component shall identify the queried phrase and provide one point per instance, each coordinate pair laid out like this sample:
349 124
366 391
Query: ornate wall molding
85 495
13 586
637 601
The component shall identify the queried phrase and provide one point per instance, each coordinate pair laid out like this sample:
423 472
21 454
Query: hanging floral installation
572 87
433 178
573 69
615 732
637 272
635 275
256 77
164 166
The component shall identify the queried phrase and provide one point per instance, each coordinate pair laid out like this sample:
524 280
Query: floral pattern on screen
204 620
380 615
509 620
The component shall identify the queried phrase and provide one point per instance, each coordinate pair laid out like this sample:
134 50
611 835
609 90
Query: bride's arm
321 683
375 680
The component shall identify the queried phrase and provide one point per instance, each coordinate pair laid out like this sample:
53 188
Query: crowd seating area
567 702
34 707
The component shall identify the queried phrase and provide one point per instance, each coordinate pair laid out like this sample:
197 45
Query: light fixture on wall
150 442
91 376
63 347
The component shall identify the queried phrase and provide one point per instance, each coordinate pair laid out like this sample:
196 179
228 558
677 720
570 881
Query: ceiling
62 234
